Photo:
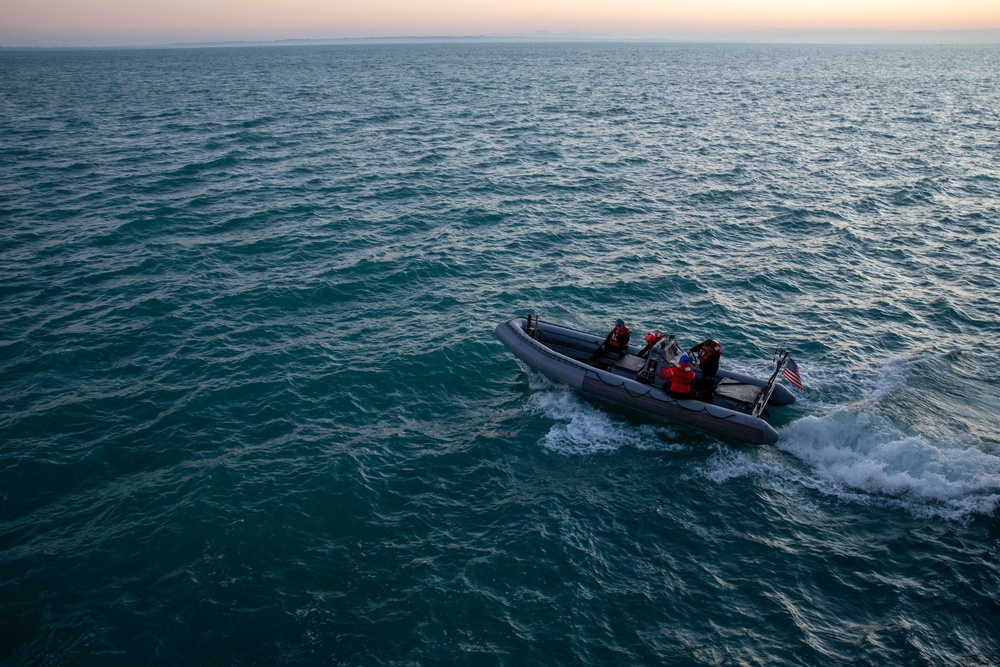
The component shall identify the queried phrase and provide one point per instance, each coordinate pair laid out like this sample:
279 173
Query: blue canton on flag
792 374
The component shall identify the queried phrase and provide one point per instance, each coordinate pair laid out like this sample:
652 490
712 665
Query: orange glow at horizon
318 19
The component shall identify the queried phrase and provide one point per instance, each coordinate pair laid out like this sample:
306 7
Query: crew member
680 376
617 341
708 353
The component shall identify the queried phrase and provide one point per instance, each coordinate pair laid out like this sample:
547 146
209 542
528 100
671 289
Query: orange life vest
707 350
619 336
681 376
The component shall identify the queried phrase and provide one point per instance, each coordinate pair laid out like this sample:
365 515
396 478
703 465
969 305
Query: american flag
792 374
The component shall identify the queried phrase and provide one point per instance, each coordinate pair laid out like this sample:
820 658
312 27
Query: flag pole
780 355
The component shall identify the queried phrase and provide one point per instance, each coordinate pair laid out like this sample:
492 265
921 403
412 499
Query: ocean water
254 411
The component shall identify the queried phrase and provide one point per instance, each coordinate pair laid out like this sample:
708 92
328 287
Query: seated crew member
616 341
708 353
680 376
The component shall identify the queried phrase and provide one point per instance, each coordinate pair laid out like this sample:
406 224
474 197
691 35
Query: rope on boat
648 392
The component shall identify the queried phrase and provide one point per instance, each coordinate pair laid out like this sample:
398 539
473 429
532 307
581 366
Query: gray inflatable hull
612 386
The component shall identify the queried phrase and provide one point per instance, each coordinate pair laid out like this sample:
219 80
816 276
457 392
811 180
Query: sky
151 22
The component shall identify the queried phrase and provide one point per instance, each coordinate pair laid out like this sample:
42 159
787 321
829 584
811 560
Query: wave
877 451
854 456
863 458
581 429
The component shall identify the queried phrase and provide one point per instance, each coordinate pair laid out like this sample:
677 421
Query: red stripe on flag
792 374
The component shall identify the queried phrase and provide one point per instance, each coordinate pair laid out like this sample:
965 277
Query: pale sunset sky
148 22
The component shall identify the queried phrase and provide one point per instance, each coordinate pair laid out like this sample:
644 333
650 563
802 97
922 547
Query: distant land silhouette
775 36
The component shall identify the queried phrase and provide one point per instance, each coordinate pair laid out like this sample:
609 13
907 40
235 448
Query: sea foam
857 457
862 456
581 428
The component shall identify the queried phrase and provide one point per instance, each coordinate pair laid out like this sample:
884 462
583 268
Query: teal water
254 412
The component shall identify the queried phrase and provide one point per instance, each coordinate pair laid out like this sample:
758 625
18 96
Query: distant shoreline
819 37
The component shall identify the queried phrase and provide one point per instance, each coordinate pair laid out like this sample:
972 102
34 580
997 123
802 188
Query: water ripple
254 410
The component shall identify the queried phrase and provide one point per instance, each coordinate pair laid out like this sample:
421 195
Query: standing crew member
709 353
617 341
680 376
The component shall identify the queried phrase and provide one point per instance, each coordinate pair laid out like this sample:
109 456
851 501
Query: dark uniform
617 341
709 353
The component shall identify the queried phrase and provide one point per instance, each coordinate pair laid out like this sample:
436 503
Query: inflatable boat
733 407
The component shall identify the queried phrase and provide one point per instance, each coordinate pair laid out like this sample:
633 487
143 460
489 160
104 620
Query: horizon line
819 36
